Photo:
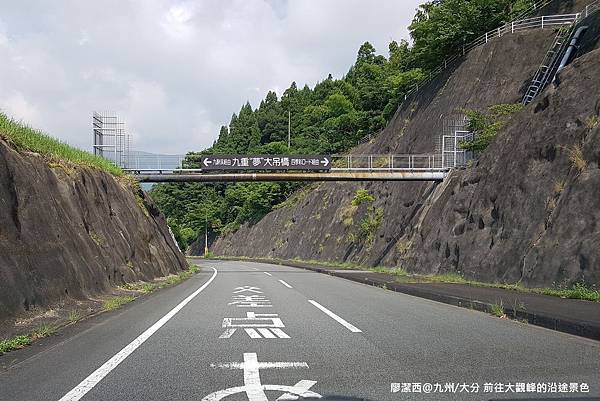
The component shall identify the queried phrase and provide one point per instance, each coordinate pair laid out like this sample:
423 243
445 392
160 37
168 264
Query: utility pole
289 129
205 234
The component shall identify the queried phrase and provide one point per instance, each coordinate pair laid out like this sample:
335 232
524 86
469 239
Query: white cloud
20 109
175 70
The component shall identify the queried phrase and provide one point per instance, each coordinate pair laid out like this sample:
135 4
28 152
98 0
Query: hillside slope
71 232
434 228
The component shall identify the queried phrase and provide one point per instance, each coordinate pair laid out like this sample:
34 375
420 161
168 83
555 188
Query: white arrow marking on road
90 382
286 284
335 317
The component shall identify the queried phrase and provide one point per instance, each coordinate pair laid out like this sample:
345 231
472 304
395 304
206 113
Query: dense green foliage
24 138
485 125
440 28
329 118
361 196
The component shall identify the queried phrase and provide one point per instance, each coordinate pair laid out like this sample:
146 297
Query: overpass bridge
411 167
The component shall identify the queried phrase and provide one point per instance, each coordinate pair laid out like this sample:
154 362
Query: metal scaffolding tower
111 139
454 132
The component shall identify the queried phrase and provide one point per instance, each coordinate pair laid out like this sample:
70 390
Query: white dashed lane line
286 284
267 273
335 317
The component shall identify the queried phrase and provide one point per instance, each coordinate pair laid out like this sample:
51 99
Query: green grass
22 341
74 316
44 331
577 291
14 343
146 288
141 287
24 138
116 302
497 309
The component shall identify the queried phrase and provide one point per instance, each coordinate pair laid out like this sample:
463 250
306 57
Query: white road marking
250 301
248 288
280 333
266 333
252 333
335 317
266 323
267 273
90 382
302 385
227 333
254 389
286 284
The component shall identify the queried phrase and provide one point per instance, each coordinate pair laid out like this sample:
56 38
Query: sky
175 71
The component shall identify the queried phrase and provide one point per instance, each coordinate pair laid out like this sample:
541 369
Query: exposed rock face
522 213
73 233
529 209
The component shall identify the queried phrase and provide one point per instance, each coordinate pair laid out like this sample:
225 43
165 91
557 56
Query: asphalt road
301 332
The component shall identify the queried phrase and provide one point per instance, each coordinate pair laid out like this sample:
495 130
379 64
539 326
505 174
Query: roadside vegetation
116 302
113 303
24 138
22 341
579 290
148 287
331 117
497 310
485 125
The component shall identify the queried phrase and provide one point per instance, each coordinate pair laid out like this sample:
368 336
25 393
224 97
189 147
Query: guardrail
405 162
153 162
340 163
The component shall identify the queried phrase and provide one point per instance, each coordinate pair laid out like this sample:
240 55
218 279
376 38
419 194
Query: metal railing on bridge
339 163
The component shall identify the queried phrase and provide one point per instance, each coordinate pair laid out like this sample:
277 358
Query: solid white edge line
90 382
286 284
335 317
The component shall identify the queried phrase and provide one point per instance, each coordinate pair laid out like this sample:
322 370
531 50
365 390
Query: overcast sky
175 70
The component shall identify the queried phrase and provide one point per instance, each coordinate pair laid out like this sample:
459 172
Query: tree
330 117
366 54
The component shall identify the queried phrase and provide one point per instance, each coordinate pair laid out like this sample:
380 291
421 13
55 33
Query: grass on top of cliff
24 138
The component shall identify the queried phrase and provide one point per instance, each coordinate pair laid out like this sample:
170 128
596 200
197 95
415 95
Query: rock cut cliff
70 232
525 212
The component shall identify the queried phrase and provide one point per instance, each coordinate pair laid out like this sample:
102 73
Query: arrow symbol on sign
325 162
206 162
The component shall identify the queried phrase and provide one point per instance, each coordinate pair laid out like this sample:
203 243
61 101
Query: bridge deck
425 175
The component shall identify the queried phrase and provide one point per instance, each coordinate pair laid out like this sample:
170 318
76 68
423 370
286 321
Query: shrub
362 196
370 224
577 159
485 125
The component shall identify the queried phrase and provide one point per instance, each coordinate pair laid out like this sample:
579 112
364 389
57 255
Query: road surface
250 331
